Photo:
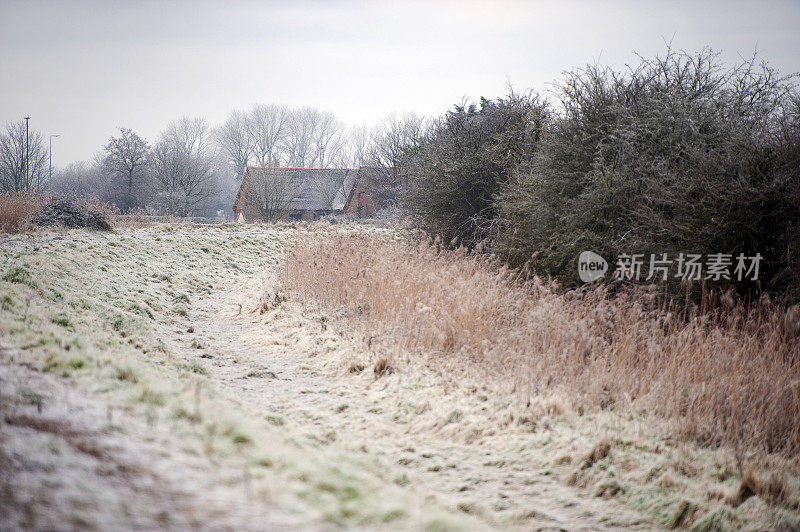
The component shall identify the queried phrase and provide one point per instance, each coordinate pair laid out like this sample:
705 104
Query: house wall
249 211
360 197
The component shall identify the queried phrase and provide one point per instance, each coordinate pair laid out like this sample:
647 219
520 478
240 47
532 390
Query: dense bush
34 209
461 163
64 212
673 155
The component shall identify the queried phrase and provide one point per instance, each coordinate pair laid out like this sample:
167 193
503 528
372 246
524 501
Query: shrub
460 164
673 155
63 212
38 209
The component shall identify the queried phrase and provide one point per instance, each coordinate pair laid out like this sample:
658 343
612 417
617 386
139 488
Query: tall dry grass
732 378
16 207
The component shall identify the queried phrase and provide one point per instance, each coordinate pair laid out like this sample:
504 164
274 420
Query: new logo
591 266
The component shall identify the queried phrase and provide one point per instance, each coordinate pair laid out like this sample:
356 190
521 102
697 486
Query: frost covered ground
155 378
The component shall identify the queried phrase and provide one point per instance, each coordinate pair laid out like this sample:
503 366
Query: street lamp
50 178
27 150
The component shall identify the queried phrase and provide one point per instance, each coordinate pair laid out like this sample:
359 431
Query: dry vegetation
729 378
17 209
165 330
14 208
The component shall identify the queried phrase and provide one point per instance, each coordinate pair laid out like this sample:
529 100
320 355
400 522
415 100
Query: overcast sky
82 69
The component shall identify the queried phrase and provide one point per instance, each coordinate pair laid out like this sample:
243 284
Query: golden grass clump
16 207
731 378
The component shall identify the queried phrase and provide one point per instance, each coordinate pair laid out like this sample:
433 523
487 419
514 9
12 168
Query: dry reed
16 207
732 378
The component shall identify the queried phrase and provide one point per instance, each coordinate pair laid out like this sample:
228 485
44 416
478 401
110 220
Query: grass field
188 376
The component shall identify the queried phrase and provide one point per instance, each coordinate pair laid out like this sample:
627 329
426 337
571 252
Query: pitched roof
311 197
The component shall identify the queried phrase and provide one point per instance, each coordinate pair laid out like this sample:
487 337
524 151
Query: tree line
194 168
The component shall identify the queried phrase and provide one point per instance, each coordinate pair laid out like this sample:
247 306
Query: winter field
316 376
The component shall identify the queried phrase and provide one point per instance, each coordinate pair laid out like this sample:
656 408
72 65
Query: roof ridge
294 168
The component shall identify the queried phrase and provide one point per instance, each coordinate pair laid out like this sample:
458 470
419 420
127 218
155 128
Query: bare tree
23 162
392 139
359 146
168 169
267 126
298 144
328 140
313 139
270 192
226 185
126 157
81 179
182 167
190 135
235 138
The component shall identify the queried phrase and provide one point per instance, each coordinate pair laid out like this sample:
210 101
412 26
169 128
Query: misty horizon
83 72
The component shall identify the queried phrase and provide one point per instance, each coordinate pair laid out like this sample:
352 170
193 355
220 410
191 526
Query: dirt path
293 366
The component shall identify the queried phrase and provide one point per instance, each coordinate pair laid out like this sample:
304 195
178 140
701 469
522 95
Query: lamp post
27 154
50 153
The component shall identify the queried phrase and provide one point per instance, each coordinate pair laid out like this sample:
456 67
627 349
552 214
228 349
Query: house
362 201
301 193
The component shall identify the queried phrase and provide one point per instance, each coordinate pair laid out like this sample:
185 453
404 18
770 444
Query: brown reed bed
731 377
16 207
